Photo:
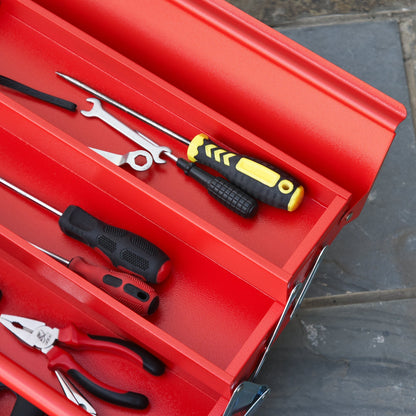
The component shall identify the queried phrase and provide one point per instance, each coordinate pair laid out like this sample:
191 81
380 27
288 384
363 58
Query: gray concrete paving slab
283 12
350 360
374 252
358 357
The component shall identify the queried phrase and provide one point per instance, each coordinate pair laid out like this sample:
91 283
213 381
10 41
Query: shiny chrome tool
259 179
98 111
228 194
50 341
128 158
128 110
73 394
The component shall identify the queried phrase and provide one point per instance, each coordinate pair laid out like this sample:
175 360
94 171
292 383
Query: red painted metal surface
191 66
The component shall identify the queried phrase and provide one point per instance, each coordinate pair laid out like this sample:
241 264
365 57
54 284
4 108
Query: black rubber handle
223 191
150 363
125 250
7 82
128 399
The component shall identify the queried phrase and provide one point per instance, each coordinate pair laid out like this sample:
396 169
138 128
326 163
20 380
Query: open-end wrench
98 111
127 158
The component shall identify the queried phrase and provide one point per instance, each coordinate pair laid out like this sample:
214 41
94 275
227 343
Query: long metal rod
73 394
53 255
31 197
124 108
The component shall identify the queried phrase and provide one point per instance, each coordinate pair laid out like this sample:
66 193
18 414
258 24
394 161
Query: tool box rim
266 44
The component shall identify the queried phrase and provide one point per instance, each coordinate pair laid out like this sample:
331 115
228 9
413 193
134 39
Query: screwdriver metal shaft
232 197
126 250
53 255
259 179
31 197
124 108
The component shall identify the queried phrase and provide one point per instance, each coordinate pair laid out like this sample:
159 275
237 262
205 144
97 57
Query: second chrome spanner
98 111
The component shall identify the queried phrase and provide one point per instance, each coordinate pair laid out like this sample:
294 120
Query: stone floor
351 349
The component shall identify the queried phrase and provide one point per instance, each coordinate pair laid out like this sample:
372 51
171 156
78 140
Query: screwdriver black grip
126 250
223 191
259 179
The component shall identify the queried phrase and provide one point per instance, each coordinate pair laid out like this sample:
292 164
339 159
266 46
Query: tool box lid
291 98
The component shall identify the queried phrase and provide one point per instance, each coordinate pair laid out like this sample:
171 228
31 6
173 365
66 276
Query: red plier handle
72 337
61 360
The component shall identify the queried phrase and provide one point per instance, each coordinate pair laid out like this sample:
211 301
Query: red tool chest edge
261 40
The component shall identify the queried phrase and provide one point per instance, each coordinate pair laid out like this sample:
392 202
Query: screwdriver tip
67 77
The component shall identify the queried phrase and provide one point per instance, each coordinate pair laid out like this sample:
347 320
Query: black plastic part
111 280
153 307
223 191
67 105
136 292
150 363
128 399
22 407
124 249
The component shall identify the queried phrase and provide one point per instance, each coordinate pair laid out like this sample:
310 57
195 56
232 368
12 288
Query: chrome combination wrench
129 158
223 191
151 147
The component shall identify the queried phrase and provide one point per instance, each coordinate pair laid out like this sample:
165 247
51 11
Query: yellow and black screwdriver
259 179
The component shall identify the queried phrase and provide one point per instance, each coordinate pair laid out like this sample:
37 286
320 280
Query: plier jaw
38 335
73 394
30 331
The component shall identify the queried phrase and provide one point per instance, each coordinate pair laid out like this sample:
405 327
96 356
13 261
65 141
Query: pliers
49 341
73 394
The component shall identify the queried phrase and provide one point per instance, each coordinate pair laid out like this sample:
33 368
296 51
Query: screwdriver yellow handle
261 180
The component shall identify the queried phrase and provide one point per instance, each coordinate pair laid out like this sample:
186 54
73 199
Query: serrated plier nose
30 331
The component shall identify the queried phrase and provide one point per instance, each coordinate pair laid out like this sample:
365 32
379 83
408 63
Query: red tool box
195 66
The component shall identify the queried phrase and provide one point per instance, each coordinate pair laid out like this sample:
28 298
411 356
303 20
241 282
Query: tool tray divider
199 211
53 144
25 384
70 300
84 294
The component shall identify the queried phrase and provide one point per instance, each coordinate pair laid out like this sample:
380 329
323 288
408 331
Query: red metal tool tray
194 66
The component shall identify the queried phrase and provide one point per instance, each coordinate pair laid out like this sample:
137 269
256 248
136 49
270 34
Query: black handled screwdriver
125 250
259 179
220 189
223 191
126 288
